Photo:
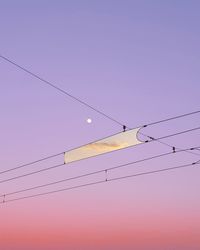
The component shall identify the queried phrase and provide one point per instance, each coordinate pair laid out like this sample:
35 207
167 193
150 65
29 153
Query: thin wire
84 103
103 181
32 173
176 148
53 167
153 172
151 140
168 145
94 173
61 90
179 133
167 136
172 118
51 156
30 163
87 105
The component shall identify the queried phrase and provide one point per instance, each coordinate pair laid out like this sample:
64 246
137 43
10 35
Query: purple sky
137 61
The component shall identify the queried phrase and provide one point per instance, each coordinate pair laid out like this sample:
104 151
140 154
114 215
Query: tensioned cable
61 90
102 181
172 118
166 144
31 163
88 105
59 165
177 148
32 173
82 102
77 99
94 173
178 133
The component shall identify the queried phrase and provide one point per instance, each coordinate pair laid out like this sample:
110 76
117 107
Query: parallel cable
168 145
31 163
101 113
179 133
87 105
59 165
32 173
102 181
94 173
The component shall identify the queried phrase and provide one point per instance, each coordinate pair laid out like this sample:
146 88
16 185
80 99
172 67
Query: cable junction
124 127
62 153
83 102
61 90
60 165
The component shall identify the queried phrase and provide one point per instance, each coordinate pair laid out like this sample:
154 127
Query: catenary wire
59 165
89 106
55 155
179 133
95 172
61 90
102 181
167 144
31 163
172 118
82 102
32 173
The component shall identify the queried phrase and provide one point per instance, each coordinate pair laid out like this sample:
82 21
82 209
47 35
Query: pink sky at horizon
125 232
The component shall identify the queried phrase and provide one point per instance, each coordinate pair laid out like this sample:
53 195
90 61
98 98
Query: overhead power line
81 101
93 173
106 116
59 165
175 134
31 163
88 105
173 118
159 140
32 173
102 181
61 90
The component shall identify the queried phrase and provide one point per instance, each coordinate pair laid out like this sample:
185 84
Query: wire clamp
106 172
150 137
124 128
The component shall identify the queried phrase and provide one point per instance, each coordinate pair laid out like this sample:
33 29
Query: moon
89 120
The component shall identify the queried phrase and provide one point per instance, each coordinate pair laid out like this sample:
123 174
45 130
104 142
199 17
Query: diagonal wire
88 105
59 165
83 102
159 140
94 173
32 173
31 163
102 181
60 90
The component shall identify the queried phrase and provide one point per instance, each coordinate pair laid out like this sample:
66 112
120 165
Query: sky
137 61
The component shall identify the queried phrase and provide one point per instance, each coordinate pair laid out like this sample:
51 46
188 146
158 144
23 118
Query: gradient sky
137 61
